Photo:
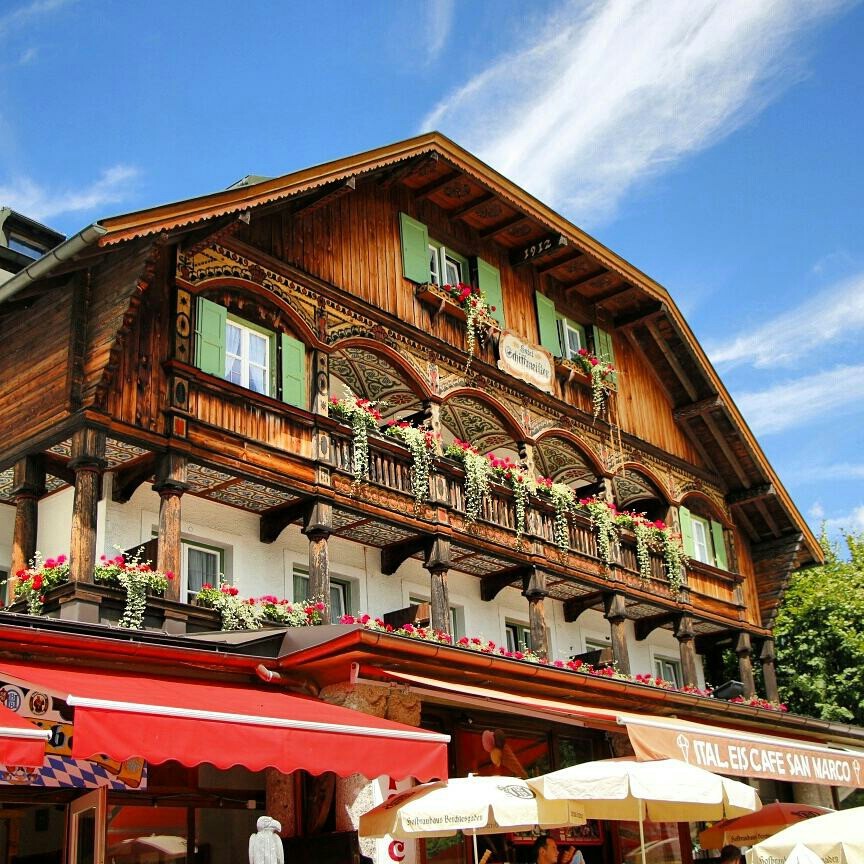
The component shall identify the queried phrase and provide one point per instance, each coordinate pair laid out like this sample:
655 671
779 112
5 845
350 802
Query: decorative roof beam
738 497
723 444
643 316
587 277
769 519
613 293
509 222
698 408
494 583
560 262
274 521
128 478
671 359
57 466
464 209
214 233
396 554
326 196
575 606
439 183
644 627
396 175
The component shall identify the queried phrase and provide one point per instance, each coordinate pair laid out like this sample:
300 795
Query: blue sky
716 145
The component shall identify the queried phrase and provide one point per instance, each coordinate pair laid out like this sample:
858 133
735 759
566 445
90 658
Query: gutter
61 253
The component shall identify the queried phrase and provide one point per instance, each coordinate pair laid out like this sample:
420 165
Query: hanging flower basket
603 521
602 376
478 473
422 443
564 501
42 575
363 416
516 478
250 613
466 303
138 579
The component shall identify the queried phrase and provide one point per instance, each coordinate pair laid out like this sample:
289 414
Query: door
87 828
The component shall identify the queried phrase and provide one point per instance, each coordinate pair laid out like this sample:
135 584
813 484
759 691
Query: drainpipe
43 266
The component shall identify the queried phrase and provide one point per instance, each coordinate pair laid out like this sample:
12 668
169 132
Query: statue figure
265 847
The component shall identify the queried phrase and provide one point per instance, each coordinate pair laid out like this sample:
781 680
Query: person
544 850
730 855
265 847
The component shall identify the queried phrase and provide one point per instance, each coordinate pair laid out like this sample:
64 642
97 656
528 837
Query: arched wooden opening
561 459
635 490
481 422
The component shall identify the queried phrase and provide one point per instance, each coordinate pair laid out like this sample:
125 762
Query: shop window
265 362
426 260
703 538
518 636
340 592
669 670
202 565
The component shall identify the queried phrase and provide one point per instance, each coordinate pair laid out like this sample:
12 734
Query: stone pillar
438 564
88 462
769 671
28 485
813 794
535 591
616 615
317 526
281 800
170 484
355 794
743 649
687 649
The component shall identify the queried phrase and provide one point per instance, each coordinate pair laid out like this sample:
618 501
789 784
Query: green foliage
820 636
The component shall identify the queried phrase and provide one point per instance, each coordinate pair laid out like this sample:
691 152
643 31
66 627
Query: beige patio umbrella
665 790
836 837
475 805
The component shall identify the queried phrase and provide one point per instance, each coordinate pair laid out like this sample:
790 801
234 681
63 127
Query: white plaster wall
7 525
257 568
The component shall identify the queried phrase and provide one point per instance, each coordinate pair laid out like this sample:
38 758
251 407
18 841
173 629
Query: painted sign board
526 361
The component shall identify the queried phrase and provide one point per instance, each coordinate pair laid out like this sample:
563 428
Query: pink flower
61 559
169 575
50 564
346 619
206 587
320 607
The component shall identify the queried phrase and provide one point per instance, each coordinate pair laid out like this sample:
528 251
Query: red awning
21 743
160 719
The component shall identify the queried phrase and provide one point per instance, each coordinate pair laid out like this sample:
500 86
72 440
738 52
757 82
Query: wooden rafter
739 497
129 477
769 519
500 227
439 183
643 316
401 172
465 209
494 583
548 266
698 408
672 360
612 294
581 280
575 606
214 233
325 197
396 554
644 627
723 444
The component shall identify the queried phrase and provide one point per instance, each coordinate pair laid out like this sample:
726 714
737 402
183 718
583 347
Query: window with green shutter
703 539
719 542
603 347
547 322
489 283
415 249
244 353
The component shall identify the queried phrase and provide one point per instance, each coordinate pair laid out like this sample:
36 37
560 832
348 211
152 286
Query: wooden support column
318 526
28 485
535 591
687 649
769 671
320 383
170 484
616 615
437 562
743 649
88 463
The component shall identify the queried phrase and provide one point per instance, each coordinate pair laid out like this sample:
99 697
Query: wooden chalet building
166 381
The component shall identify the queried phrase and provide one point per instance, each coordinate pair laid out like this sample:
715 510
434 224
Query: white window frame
702 547
442 258
343 586
247 331
664 665
217 551
565 330
517 633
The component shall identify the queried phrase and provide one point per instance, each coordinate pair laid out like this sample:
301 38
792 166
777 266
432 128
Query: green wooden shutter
293 371
210 337
547 321
603 347
489 282
415 249
719 545
686 530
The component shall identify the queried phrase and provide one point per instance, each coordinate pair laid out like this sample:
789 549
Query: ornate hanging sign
526 361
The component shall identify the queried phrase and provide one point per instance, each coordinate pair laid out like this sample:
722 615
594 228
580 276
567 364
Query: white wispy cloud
797 402
22 15
830 316
849 523
41 203
816 473
439 21
610 93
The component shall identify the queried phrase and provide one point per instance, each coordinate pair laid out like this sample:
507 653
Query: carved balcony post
28 485
687 649
535 591
769 670
320 383
170 483
743 649
88 463
318 526
616 615
438 564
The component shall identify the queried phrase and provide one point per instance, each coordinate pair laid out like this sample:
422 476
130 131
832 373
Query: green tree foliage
820 636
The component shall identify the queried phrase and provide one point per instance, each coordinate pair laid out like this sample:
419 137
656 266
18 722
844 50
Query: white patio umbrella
476 805
665 790
836 837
